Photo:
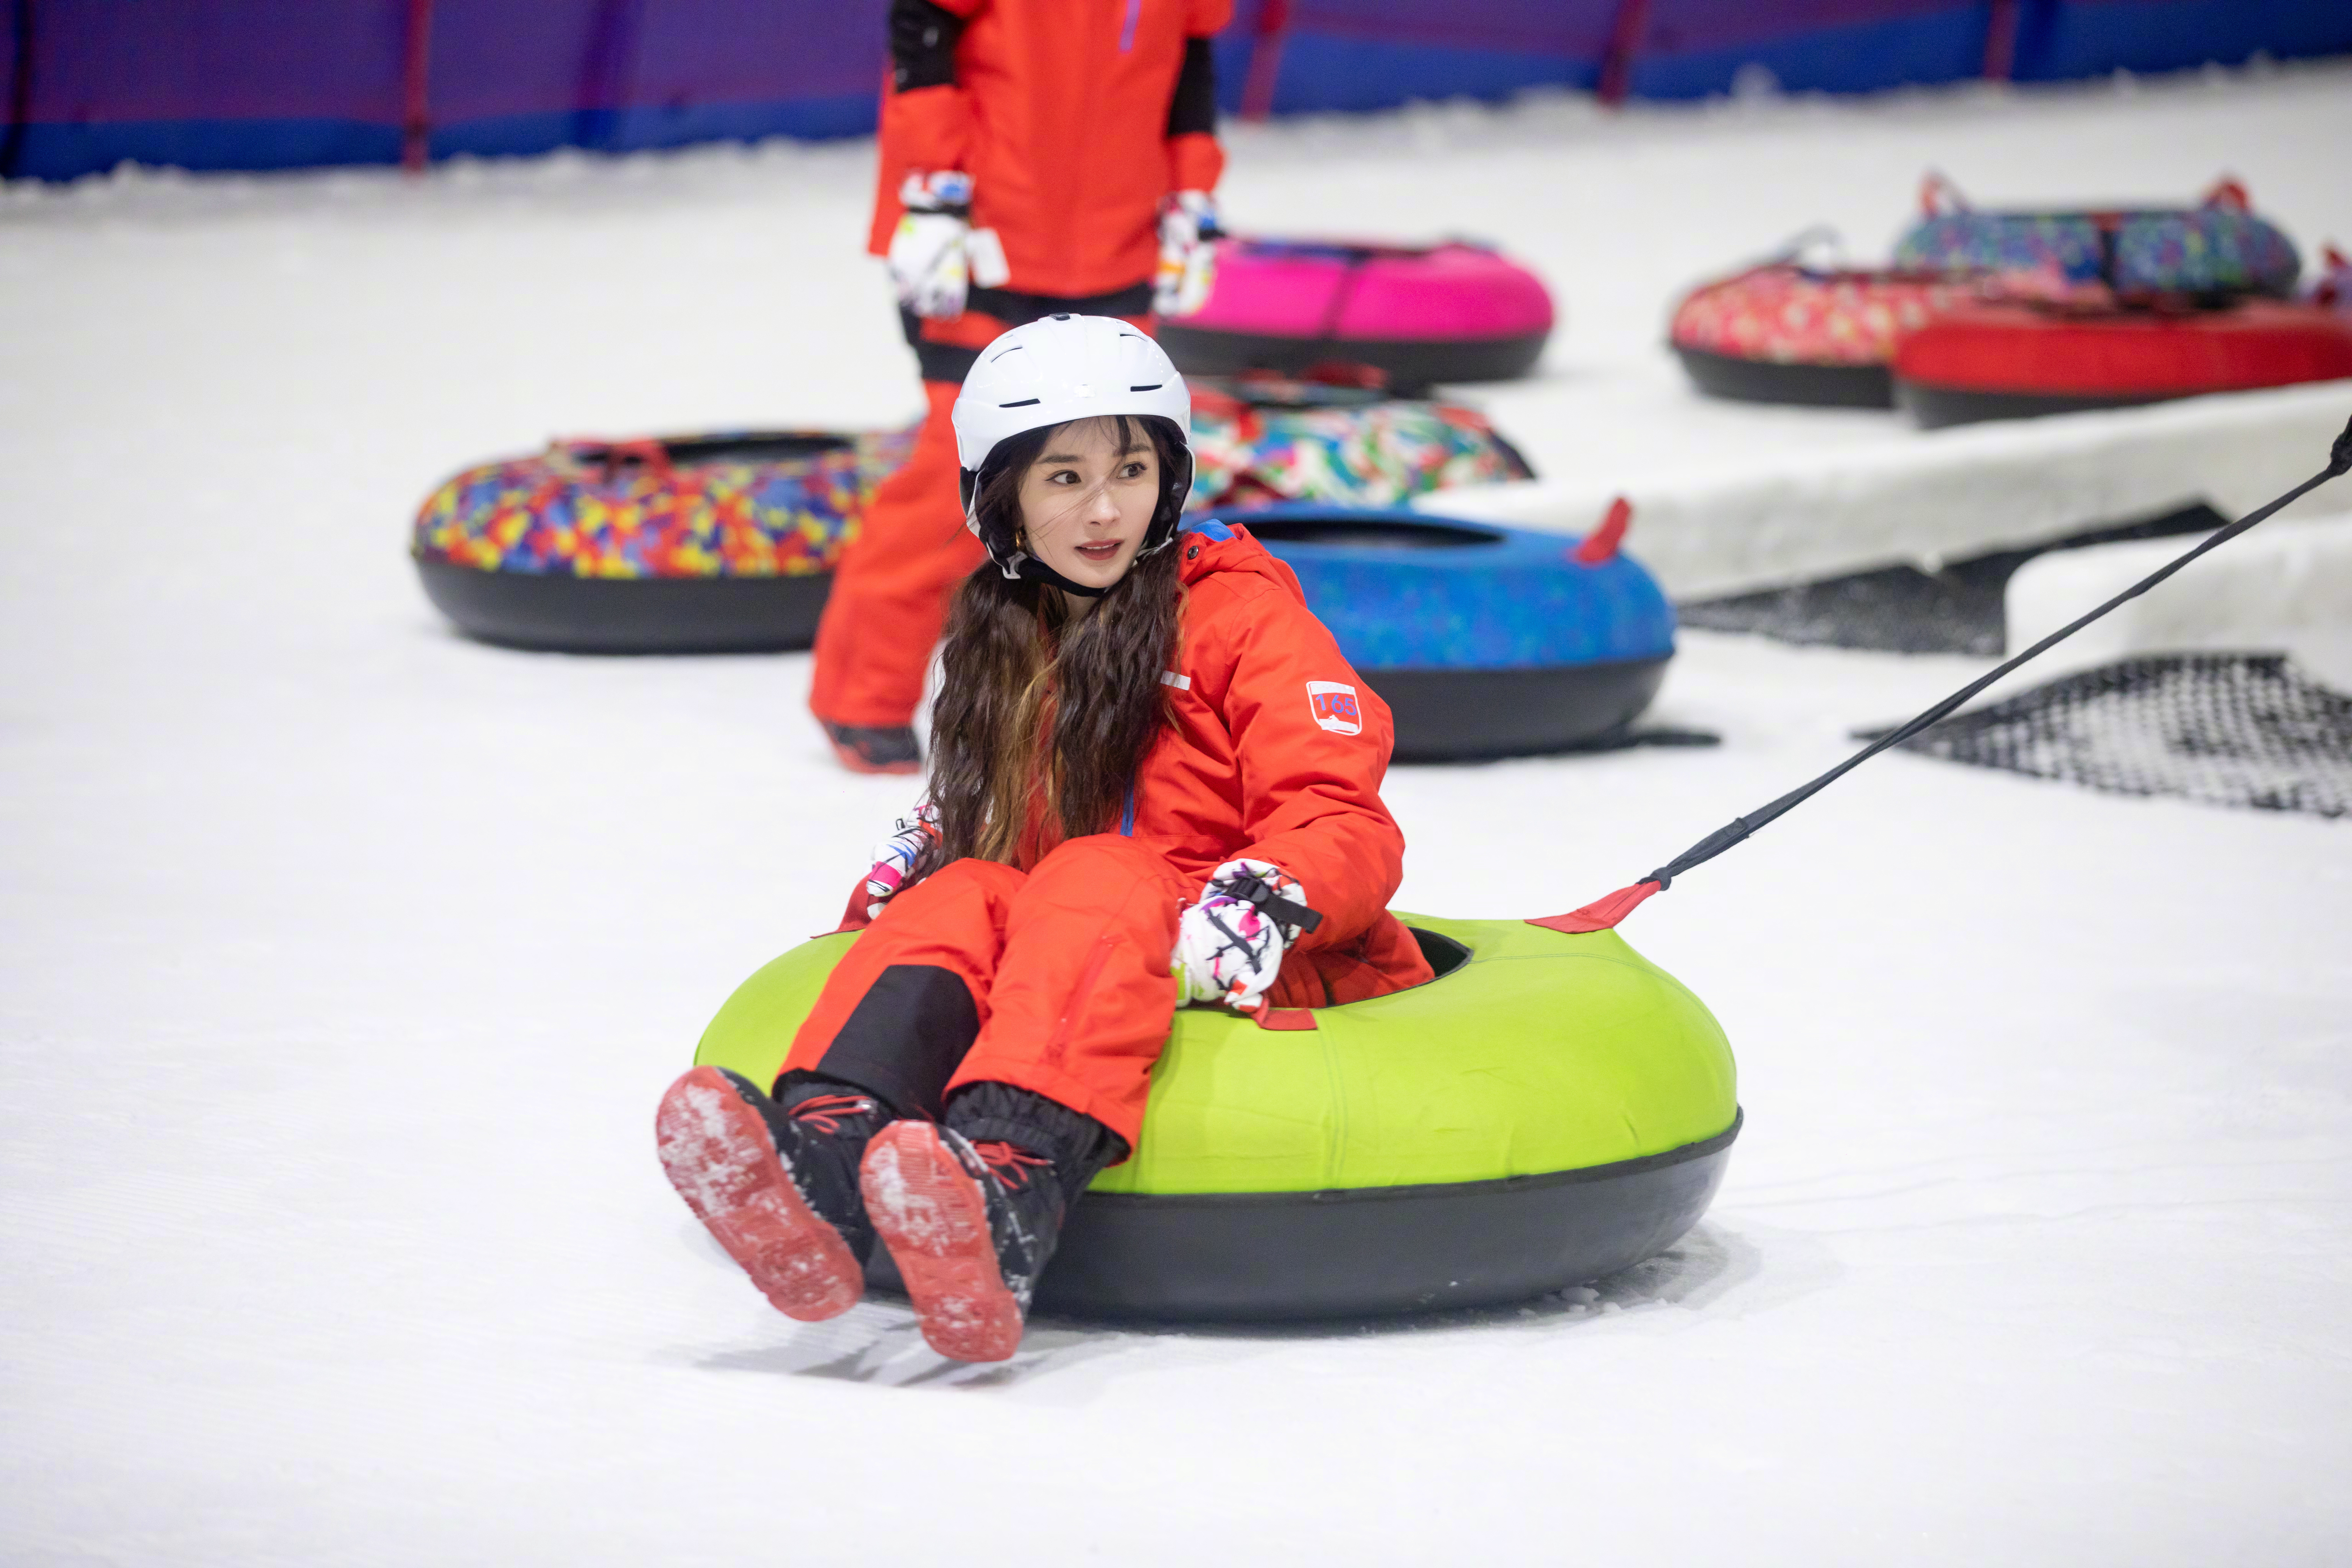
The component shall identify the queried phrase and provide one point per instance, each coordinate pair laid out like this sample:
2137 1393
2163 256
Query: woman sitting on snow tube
1145 744
1553 1108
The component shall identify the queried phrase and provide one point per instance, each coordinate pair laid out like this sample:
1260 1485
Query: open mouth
1098 553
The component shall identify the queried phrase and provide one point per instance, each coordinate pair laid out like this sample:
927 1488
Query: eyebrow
1075 457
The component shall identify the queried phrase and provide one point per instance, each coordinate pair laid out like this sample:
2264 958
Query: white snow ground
342 960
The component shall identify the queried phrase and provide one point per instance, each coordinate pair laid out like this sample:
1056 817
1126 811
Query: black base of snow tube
1463 715
1812 385
1369 1251
546 613
1410 364
1936 407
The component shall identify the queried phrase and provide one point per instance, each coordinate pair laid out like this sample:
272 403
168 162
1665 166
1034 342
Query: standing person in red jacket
1154 780
1037 156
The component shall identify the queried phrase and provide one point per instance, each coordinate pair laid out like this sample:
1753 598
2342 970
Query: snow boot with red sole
928 1192
730 1151
971 1221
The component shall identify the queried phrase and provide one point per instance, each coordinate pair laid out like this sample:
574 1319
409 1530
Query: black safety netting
1955 608
2228 729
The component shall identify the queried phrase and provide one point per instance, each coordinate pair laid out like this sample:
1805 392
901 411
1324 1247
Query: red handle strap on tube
606 456
2229 194
1935 191
1602 543
1601 914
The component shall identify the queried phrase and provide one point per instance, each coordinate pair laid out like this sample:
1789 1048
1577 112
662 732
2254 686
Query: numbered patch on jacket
1335 707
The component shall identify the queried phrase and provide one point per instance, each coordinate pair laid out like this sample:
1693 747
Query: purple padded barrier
105 60
1365 54
1699 26
247 84
255 84
1690 48
229 84
599 58
1565 29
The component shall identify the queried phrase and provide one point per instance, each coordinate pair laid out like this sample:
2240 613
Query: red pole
2000 41
20 88
416 123
1266 59
1625 43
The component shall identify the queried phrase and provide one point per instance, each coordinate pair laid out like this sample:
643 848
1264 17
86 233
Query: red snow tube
1453 311
2004 361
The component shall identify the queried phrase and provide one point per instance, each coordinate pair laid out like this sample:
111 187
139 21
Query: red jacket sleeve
1204 19
927 129
1312 742
1195 159
1196 162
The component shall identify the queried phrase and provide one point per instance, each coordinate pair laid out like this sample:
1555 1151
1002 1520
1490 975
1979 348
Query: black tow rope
1603 913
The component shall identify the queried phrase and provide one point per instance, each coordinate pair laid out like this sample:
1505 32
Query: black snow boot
875 749
972 1211
776 1181
823 1128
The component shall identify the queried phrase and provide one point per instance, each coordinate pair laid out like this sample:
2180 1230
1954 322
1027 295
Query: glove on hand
1227 950
936 254
894 857
1188 261
928 264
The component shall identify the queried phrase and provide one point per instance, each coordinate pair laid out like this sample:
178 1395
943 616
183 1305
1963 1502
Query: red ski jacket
1277 753
1067 115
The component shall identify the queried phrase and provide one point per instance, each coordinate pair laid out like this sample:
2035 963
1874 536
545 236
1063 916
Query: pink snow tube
1452 312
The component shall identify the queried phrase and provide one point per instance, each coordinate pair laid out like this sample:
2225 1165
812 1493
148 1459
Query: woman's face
1087 502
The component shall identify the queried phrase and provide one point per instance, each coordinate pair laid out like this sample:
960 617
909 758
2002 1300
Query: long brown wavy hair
1039 709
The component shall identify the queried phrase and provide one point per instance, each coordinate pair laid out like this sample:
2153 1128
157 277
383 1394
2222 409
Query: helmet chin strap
1036 571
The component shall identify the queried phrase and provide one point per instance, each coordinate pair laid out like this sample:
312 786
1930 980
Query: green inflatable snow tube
1552 1109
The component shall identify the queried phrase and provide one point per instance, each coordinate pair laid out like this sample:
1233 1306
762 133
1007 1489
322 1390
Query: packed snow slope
342 960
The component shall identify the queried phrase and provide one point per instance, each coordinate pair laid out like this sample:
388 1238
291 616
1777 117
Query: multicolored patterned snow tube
718 543
726 543
2219 248
1484 641
1420 315
1787 332
1259 443
2008 359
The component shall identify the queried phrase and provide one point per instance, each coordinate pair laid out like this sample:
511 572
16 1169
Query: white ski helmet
1056 370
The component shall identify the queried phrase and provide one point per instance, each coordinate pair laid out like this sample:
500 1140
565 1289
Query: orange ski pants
894 582
1056 980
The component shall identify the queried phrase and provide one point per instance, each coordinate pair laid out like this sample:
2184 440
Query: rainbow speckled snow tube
1484 641
1552 1108
720 544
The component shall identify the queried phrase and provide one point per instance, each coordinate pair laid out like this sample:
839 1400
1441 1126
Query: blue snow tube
1484 641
